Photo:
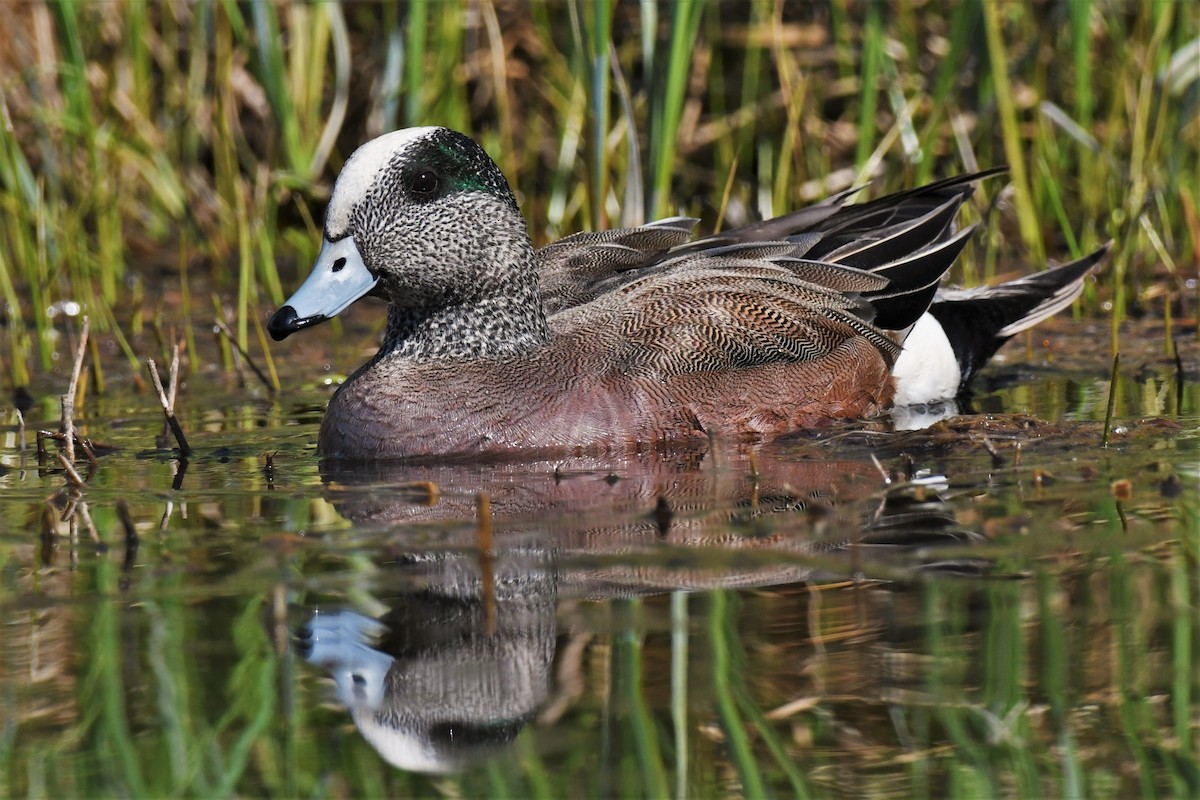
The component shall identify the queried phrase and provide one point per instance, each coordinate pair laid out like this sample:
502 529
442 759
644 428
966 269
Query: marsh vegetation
1002 604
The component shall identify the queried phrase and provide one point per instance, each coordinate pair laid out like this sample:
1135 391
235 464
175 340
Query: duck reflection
455 669
463 659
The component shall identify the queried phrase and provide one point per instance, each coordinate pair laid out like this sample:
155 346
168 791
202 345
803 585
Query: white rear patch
359 172
920 416
926 369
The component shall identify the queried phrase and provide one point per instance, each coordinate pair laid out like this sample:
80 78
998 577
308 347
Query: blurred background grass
152 151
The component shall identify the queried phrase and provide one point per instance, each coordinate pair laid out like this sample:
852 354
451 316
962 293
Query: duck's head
421 217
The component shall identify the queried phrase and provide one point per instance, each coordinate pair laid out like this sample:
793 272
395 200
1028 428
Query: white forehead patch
358 175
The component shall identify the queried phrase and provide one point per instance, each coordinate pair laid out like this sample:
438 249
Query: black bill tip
286 321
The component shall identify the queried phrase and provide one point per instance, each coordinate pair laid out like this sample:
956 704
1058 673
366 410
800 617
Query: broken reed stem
67 404
73 476
89 452
168 410
224 331
173 377
1112 399
68 399
993 451
86 516
172 384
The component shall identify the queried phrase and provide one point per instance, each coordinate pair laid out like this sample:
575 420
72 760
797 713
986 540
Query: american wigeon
638 337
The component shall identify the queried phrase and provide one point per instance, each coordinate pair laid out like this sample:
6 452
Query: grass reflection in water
791 626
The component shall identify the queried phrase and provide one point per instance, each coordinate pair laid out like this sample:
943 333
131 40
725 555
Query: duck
642 338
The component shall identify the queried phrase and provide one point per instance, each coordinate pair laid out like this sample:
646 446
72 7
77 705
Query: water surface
994 606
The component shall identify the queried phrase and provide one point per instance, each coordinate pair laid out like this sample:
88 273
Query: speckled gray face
404 222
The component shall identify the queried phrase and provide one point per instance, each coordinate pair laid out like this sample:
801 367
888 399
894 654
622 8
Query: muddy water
995 605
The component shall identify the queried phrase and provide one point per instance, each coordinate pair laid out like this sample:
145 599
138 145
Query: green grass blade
720 625
1013 146
416 33
872 60
685 24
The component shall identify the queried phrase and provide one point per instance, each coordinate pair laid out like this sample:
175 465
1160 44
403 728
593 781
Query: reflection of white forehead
359 173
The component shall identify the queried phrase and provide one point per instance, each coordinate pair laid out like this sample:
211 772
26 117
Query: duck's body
557 399
627 339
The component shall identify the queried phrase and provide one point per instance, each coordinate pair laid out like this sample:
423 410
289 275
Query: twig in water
887 479
997 458
172 386
73 476
49 536
220 326
126 520
173 375
67 404
86 515
41 448
1112 399
177 479
68 399
168 410
43 454
131 542
69 500
86 446
73 533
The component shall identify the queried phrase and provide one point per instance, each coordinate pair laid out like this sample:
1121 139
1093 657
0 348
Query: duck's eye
424 185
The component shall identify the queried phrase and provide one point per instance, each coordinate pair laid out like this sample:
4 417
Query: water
1013 611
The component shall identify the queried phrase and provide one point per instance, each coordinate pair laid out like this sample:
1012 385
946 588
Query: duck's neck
505 318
